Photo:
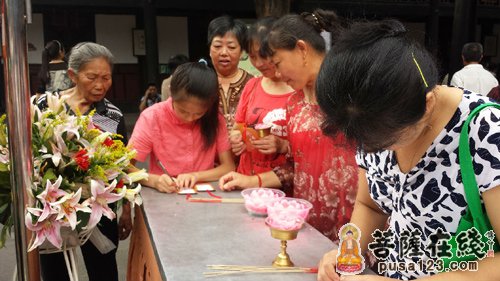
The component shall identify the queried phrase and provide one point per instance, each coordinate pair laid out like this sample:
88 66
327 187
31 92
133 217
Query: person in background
322 170
90 69
227 39
407 128
151 96
185 134
53 73
172 64
495 93
473 76
263 101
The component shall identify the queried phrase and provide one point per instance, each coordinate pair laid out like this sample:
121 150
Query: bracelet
260 180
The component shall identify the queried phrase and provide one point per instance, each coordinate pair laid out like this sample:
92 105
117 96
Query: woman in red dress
322 170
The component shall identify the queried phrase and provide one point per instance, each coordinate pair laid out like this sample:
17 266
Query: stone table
185 237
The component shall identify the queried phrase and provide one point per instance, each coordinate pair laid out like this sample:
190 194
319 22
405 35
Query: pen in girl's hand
166 172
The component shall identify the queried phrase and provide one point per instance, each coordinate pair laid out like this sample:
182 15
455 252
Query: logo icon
349 258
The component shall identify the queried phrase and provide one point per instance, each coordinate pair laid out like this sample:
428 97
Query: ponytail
44 69
307 27
50 52
371 32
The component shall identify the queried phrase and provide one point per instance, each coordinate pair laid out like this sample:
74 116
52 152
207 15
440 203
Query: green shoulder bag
475 216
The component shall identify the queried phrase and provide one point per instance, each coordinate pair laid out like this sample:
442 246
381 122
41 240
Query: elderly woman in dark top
90 69
227 39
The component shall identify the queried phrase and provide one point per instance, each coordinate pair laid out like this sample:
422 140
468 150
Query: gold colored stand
283 259
263 132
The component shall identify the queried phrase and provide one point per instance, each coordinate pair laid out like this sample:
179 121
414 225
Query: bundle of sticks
222 269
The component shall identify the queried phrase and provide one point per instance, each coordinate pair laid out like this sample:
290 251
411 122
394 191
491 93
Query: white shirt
475 78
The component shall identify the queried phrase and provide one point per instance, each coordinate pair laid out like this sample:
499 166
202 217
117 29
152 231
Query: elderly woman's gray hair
83 53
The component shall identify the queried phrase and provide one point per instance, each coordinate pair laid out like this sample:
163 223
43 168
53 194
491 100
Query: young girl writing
184 134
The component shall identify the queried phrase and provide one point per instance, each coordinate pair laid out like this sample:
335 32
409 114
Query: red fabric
495 93
160 134
257 106
325 169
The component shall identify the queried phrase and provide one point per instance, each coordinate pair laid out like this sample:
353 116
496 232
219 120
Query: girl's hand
234 180
237 144
165 184
326 268
187 180
270 144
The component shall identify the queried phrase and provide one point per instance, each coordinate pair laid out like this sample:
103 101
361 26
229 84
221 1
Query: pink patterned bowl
291 207
284 222
257 199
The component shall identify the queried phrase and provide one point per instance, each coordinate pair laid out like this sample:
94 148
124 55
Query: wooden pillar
432 28
14 53
464 29
197 35
275 8
151 36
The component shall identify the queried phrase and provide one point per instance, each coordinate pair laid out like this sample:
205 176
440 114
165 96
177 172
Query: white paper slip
204 187
186 191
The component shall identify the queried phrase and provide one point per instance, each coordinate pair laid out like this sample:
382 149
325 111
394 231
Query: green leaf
6 230
49 175
4 207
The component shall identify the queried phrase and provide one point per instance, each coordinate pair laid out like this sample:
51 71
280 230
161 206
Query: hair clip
419 70
58 44
315 19
203 61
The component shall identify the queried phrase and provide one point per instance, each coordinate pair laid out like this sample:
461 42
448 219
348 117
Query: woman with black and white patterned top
380 90
90 69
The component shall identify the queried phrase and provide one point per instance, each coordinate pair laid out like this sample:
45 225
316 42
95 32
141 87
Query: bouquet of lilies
79 172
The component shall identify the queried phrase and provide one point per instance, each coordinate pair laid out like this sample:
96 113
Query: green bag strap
468 175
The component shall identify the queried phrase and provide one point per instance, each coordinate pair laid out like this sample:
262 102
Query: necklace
226 79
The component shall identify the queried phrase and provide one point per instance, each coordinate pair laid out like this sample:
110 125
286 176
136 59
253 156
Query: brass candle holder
283 259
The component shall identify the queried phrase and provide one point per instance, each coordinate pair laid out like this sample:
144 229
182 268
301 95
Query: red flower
108 142
82 159
119 185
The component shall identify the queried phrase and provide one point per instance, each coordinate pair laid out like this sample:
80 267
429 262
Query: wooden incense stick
239 269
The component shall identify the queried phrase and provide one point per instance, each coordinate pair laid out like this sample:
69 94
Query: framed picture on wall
139 41
490 46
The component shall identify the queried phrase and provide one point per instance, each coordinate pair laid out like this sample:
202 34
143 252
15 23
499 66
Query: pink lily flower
111 174
49 229
49 195
101 197
67 207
